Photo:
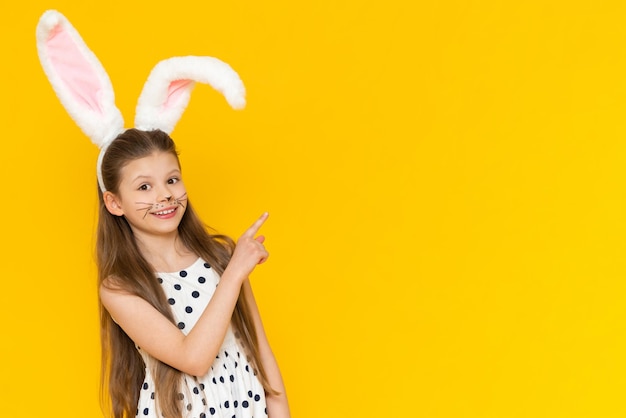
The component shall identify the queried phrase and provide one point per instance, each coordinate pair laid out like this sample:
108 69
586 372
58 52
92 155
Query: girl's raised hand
249 251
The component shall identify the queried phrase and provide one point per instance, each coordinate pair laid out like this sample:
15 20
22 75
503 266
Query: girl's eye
172 180
144 187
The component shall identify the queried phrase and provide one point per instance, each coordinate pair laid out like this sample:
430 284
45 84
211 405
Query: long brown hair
121 264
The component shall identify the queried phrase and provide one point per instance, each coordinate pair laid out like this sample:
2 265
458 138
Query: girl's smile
165 214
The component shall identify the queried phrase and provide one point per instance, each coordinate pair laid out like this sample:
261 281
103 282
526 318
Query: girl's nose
165 195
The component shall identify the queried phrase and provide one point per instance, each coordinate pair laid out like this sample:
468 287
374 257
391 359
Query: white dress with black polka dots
230 389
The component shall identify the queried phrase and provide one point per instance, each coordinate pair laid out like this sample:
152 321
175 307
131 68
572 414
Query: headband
85 90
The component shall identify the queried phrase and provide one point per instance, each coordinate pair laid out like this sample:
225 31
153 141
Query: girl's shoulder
111 284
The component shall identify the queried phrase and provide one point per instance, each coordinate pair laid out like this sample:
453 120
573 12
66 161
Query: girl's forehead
153 165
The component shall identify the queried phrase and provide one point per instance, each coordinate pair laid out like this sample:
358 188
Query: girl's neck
165 253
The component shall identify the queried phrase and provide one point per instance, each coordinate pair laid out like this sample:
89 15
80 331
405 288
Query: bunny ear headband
86 92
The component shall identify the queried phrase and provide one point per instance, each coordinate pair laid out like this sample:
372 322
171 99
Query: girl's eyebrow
141 176
144 176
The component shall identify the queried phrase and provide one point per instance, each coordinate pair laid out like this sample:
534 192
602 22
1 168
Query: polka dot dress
230 389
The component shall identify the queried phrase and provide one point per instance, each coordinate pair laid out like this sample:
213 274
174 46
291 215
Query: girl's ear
112 204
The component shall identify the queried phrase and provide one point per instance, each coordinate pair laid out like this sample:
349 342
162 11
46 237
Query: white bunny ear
78 78
168 89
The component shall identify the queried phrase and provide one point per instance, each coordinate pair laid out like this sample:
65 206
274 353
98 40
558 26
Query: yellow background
446 182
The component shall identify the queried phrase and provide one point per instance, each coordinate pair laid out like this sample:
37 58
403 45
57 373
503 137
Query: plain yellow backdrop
446 182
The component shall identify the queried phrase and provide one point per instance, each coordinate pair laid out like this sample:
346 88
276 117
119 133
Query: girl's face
152 196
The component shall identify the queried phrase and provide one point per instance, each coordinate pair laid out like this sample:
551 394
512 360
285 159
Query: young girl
181 331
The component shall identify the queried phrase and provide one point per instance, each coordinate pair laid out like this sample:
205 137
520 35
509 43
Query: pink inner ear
175 91
78 76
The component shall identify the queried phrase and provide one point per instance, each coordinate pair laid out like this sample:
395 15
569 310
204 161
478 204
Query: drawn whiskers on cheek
146 208
179 201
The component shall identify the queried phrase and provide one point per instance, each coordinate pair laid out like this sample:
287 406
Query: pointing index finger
251 232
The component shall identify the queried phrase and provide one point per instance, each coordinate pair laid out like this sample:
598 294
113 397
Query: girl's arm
154 333
277 405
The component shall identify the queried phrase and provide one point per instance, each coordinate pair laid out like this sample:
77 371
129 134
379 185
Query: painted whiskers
160 205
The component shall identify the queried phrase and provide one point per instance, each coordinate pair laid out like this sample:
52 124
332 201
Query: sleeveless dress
230 389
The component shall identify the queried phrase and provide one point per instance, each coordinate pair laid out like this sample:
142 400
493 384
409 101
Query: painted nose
164 195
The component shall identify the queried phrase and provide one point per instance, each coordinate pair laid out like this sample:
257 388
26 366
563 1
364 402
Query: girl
181 331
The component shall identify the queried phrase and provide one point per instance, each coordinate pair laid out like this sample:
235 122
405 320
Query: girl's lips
165 213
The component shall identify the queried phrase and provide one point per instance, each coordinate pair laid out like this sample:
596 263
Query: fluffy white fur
103 127
157 109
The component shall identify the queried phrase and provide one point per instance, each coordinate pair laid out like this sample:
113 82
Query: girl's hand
249 251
